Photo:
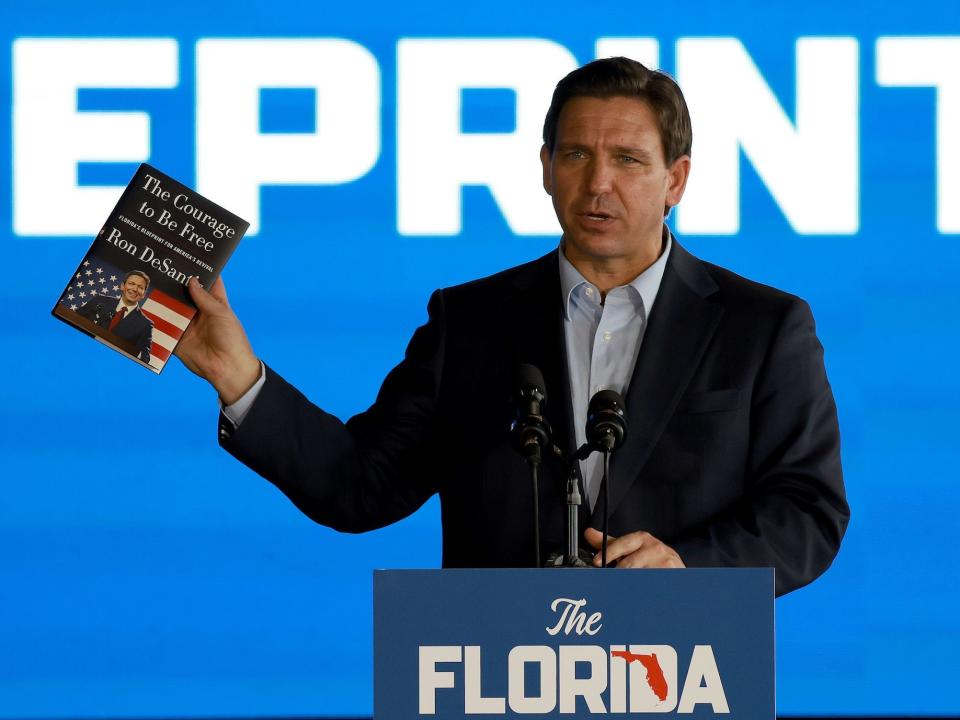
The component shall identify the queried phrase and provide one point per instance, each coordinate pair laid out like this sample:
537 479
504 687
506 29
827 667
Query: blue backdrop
163 578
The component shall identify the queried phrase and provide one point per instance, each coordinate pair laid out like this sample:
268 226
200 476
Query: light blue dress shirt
603 340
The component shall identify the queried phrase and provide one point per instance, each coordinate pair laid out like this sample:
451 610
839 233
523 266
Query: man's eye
627 159
575 154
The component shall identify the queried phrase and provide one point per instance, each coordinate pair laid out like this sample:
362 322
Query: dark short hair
623 77
138 273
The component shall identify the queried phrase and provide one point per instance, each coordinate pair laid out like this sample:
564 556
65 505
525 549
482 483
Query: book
130 290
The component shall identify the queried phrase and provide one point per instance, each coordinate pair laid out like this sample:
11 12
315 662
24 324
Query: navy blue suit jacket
732 455
135 327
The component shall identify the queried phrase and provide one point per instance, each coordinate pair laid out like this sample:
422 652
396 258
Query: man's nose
599 177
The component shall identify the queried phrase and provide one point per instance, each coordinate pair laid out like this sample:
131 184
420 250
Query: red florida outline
655 678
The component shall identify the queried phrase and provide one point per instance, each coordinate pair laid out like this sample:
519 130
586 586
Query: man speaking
733 453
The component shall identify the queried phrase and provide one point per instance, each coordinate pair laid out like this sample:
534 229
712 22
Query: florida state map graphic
655 678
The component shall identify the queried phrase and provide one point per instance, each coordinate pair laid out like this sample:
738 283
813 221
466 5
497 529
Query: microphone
531 433
606 421
606 431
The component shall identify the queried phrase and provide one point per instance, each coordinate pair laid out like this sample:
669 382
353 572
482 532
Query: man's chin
595 245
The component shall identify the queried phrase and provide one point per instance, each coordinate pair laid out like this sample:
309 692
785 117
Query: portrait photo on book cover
122 308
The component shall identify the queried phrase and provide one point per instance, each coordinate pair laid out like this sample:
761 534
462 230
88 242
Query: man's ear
677 179
545 161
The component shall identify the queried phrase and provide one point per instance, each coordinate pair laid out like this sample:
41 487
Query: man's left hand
635 550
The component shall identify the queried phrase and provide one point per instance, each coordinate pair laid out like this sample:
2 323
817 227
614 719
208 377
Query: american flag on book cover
170 318
94 278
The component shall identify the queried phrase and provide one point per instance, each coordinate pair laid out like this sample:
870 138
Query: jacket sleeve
371 471
794 511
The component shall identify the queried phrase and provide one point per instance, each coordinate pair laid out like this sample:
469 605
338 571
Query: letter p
234 158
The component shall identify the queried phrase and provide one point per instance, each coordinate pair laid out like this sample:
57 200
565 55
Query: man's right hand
215 346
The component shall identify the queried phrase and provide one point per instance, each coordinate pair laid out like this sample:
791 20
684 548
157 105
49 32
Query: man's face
609 181
133 289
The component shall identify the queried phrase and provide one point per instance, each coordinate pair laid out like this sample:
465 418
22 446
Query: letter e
50 136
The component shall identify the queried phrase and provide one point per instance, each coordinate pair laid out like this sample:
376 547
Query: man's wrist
234 384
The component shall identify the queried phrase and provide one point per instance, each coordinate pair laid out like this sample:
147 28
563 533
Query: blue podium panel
455 643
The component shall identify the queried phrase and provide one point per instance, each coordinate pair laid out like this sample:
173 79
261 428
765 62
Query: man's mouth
597 216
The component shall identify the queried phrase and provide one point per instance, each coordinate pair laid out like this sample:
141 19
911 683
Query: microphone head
530 430
529 383
606 400
606 420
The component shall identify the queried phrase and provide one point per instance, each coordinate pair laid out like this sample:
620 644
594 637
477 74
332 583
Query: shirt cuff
237 411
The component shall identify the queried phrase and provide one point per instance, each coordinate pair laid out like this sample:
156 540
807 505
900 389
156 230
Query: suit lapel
680 326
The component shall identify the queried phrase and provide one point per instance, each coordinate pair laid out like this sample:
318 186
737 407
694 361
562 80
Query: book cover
130 290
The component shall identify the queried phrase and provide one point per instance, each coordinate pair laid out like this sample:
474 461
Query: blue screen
144 572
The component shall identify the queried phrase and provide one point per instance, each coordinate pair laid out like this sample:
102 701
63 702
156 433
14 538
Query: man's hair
138 273
623 77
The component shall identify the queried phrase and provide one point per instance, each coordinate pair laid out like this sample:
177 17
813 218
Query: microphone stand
533 460
533 434
573 558
605 483
606 431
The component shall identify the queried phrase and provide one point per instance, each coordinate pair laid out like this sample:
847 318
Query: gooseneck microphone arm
606 431
531 433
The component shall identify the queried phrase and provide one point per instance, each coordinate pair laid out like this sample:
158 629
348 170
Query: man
732 456
122 315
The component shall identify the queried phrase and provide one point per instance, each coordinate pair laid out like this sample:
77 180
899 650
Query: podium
574 643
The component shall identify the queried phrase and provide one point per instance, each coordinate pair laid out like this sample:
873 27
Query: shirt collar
121 305
647 283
